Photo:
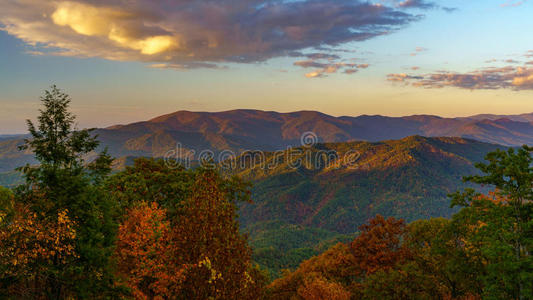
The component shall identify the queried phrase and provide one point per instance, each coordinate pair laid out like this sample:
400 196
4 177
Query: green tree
441 255
65 180
6 202
166 184
500 226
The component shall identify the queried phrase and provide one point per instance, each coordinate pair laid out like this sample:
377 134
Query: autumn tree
207 234
379 245
64 181
192 223
440 266
335 265
32 249
145 253
319 288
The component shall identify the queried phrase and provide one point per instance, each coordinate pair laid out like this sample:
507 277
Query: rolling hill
327 199
240 130
408 178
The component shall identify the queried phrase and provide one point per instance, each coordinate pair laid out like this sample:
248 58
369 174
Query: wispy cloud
402 77
188 33
509 77
329 67
422 4
187 66
512 3
418 50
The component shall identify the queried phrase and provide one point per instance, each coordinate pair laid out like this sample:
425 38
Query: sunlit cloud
401 77
329 67
509 77
421 4
417 4
111 23
187 33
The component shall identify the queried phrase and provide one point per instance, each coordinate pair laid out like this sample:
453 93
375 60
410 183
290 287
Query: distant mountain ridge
239 130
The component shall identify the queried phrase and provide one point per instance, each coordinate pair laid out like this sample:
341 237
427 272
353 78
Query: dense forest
76 230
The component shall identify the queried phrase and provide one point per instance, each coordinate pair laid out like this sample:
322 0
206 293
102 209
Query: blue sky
423 61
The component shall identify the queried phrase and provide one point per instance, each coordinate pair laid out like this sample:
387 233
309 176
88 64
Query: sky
123 61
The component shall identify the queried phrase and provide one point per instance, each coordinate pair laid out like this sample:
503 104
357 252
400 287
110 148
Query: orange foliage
341 271
207 236
29 243
199 254
379 246
145 254
320 289
495 197
334 265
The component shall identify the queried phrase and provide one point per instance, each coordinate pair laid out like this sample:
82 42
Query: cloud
187 66
314 74
511 61
401 77
512 3
328 67
418 50
197 31
351 71
421 4
509 77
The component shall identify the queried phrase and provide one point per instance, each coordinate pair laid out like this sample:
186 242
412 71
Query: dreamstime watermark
310 156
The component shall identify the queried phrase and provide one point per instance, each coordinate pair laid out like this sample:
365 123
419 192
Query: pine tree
64 180
503 221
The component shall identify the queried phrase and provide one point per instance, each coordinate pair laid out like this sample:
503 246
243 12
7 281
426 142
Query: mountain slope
254 129
408 178
327 197
240 130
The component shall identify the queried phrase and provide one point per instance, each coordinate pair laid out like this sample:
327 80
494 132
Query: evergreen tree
502 222
64 180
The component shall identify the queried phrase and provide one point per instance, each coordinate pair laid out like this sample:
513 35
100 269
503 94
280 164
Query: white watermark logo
310 155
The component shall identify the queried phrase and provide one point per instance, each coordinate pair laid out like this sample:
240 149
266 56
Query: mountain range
240 130
402 167
265 130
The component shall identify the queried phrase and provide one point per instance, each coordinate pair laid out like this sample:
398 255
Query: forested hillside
296 211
